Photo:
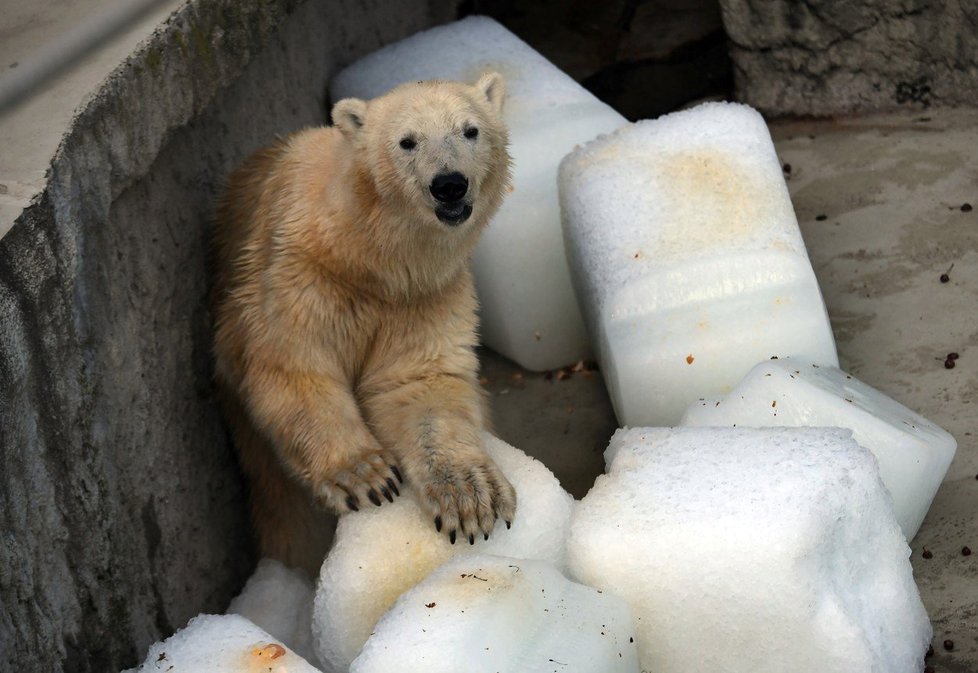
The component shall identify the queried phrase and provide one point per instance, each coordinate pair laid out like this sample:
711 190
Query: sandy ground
879 200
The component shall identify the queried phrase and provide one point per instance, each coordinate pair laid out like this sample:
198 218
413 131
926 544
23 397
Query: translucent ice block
222 644
687 259
379 554
913 453
490 614
279 600
752 551
528 309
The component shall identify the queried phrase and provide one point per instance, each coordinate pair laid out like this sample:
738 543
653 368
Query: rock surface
121 508
828 57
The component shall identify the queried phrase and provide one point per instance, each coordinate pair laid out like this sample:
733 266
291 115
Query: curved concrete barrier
121 508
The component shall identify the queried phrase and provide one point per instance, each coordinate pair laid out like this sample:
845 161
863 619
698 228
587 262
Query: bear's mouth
454 213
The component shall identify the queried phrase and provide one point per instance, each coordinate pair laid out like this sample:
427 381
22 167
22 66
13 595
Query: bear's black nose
448 187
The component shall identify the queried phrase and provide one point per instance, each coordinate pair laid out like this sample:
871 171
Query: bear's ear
348 116
493 87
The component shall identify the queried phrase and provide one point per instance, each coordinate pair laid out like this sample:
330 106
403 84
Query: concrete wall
828 57
121 509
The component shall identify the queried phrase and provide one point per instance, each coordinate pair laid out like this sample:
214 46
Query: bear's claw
397 473
466 501
362 480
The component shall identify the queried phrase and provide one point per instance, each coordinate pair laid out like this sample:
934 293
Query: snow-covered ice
687 259
485 614
279 600
913 453
379 554
222 644
752 550
528 309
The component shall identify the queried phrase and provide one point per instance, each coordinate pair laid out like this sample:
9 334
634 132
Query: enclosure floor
891 189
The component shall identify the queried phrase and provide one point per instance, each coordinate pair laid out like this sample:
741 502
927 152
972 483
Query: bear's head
435 150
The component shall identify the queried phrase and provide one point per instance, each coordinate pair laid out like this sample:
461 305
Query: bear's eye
408 143
472 133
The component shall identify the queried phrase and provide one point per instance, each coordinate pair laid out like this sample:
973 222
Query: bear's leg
432 422
316 429
290 526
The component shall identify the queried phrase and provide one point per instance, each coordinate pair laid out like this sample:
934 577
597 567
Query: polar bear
345 315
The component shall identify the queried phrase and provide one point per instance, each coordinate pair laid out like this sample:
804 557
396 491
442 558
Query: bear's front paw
364 479
465 496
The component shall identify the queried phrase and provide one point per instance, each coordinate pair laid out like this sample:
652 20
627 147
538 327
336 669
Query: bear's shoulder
293 171
311 145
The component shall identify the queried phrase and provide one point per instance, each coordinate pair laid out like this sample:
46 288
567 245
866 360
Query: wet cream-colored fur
346 316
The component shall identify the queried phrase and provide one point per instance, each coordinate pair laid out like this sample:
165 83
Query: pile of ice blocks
732 546
527 305
393 594
701 549
378 555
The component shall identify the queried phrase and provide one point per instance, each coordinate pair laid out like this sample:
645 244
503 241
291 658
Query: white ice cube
491 614
913 453
222 644
279 600
752 550
527 304
378 554
687 259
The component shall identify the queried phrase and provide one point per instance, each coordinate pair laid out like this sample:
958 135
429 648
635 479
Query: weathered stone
649 88
660 28
580 37
121 509
827 57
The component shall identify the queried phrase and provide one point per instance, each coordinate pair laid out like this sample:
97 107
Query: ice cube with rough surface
687 259
279 600
528 309
752 551
913 453
491 614
222 644
378 554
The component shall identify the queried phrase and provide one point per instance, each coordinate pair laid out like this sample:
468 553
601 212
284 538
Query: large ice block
528 309
913 453
752 551
687 259
222 644
279 600
381 553
491 614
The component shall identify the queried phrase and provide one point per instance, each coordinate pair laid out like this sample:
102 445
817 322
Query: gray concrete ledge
31 131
